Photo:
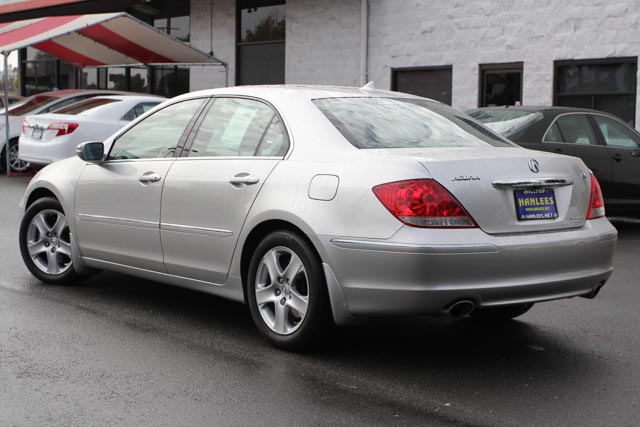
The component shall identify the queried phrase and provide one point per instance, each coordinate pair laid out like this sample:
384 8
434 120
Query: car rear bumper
405 276
43 153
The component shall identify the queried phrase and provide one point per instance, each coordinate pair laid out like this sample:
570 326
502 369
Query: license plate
535 203
36 133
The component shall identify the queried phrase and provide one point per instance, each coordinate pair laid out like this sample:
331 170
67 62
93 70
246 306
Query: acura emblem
534 166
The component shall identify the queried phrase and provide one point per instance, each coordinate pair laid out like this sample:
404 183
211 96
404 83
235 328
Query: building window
260 42
42 72
500 84
601 84
429 82
170 81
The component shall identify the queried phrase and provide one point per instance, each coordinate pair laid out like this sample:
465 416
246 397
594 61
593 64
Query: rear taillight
596 202
63 128
423 203
24 125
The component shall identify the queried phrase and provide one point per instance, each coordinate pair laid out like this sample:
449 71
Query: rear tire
500 313
17 165
45 243
287 292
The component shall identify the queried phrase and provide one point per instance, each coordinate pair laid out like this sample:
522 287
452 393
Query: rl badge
535 203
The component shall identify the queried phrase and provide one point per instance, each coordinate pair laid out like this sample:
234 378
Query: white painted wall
223 35
323 39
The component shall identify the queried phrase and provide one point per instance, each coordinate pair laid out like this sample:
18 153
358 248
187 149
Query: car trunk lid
510 190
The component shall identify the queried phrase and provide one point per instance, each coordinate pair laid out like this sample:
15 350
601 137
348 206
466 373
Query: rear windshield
31 105
86 107
504 121
405 123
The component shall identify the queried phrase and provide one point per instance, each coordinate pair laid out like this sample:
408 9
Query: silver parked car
315 204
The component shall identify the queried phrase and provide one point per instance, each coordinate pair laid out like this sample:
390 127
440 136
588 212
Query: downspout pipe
6 111
364 42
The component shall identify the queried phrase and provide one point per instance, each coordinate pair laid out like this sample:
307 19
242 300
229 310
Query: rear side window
87 106
58 105
31 105
405 123
572 128
616 134
239 127
139 110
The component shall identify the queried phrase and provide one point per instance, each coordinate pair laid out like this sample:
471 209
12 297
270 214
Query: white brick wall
223 36
323 39
323 42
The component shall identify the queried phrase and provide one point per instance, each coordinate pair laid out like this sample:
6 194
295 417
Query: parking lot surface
123 351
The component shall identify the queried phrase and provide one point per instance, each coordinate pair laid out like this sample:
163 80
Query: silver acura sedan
319 204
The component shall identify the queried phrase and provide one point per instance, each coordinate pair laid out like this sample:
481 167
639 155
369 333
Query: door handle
148 177
617 157
558 150
244 178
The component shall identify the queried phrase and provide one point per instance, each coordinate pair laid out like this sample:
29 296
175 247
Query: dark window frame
241 4
505 67
594 61
394 75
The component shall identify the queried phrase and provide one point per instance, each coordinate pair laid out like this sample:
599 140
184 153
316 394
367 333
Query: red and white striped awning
98 40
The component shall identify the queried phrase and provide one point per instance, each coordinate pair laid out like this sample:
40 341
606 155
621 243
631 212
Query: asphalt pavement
122 351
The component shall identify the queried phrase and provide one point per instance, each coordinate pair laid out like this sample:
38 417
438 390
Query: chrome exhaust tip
594 292
461 308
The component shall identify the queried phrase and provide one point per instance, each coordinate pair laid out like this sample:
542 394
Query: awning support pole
6 112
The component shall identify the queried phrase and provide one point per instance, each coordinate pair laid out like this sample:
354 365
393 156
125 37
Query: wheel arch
259 232
39 193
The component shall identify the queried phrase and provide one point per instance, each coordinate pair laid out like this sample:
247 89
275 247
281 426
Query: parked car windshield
86 107
504 121
31 105
405 123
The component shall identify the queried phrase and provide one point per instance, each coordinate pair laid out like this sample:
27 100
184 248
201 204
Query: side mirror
92 152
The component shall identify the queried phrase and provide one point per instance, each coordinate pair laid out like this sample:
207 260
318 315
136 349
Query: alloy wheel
49 243
282 290
15 162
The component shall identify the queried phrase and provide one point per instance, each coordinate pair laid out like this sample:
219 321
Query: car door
623 146
572 134
208 192
118 202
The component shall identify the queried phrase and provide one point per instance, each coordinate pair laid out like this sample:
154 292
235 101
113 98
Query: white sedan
46 138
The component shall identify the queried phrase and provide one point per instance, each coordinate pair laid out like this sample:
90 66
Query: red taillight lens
423 203
596 202
63 128
24 125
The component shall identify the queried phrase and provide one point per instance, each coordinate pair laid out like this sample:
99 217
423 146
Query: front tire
45 243
287 291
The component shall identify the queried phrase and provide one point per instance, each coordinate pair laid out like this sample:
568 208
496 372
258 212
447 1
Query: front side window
405 123
158 135
616 134
237 127
572 128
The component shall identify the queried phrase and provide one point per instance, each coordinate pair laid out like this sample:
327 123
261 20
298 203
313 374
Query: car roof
131 97
63 93
300 91
547 109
